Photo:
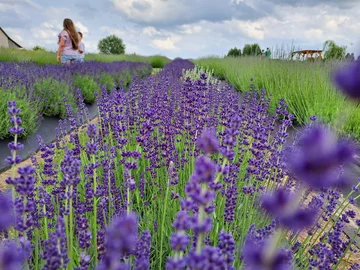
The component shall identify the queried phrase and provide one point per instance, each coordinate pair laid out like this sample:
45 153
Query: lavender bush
180 174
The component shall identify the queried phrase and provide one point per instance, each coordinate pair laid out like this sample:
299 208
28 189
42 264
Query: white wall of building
4 42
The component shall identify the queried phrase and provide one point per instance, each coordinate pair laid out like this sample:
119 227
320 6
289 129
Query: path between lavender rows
47 130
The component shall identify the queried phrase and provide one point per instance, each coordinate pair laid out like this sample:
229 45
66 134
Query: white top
82 48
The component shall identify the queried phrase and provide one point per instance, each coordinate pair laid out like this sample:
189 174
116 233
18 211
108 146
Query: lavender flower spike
208 141
121 239
6 211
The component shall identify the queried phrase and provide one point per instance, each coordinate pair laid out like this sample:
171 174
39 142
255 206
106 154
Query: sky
187 28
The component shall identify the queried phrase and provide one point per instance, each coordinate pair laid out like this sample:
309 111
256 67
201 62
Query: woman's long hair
73 34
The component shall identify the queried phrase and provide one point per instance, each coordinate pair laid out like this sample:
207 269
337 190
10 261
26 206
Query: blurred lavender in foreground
318 157
348 80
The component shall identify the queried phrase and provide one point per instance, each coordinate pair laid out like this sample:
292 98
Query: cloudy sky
187 28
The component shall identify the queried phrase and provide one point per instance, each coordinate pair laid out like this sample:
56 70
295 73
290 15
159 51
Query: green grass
306 87
45 57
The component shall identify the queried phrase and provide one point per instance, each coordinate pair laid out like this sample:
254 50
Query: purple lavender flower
209 258
121 239
227 246
11 257
179 241
318 157
83 232
348 80
142 251
204 170
182 221
175 264
84 261
282 206
259 253
55 250
172 174
355 266
208 141
6 211
313 118
15 130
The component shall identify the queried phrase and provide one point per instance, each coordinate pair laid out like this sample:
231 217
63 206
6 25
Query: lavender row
180 174
40 90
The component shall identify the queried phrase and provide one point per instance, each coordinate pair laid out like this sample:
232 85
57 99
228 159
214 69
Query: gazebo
311 55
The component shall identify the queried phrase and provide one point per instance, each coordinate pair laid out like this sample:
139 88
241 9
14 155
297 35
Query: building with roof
310 55
6 41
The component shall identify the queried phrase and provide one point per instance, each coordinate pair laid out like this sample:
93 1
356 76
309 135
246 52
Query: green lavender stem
94 231
162 227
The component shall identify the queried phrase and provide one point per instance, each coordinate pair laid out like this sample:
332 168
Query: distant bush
88 87
29 114
38 48
51 94
158 61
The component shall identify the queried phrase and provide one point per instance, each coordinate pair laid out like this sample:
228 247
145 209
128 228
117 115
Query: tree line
248 50
331 51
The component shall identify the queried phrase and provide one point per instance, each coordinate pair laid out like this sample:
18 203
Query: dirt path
8 173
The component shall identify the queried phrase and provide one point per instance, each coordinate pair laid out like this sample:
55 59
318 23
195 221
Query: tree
333 51
255 49
350 57
251 50
247 50
111 45
38 48
234 52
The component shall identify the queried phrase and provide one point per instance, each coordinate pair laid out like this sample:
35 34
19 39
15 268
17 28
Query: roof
308 51
2 30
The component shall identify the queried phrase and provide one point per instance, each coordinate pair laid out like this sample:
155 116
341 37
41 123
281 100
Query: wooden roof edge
305 51
17 44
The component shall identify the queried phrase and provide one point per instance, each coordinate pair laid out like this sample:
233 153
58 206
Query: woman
68 43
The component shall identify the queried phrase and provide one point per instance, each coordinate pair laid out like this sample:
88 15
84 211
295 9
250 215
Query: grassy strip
44 57
306 87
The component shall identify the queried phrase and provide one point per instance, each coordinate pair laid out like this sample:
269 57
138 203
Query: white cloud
15 34
58 13
83 29
175 12
131 48
53 24
147 10
166 44
150 31
112 31
314 33
190 29
39 33
6 7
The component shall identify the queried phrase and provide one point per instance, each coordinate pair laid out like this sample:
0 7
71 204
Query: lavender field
178 171
40 90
